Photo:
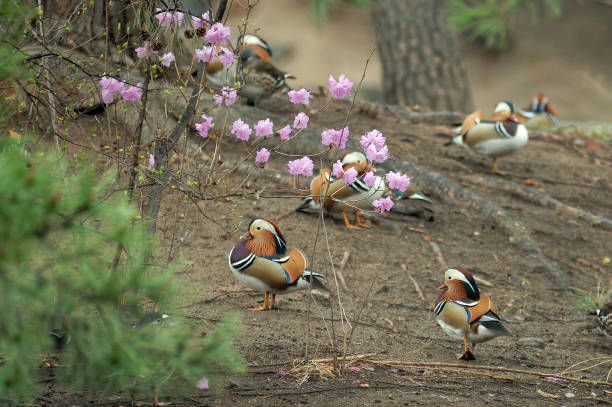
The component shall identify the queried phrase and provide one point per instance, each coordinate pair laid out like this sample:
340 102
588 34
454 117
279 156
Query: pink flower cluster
241 130
302 166
285 132
335 137
300 121
228 96
200 22
217 34
204 127
383 204
373 144
398 181
370 179
110 86
144 52
263 128
341 88
299 96
337 169
206 53
262 156
167 59
168 18
227 57
350 175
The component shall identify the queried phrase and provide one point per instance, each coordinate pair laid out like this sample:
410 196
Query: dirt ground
550 330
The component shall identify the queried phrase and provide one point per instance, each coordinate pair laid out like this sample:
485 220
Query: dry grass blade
416 285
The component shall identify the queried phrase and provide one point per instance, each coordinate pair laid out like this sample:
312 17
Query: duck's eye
258 228
450 278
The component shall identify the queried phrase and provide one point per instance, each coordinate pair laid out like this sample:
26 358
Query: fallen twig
436 249
416 285
343 262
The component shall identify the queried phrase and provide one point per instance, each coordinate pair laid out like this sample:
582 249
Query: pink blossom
555 379
394 370
206 54
177 19
340 89
301 121
151 161
131 93
109 87
199 22
263 128
167 18
378 156
262 156
337 169
241 130
142 52
203 384
228 56
370 179
285 132
350 175
164 18
373 137
353 368
395 180
205 126
336 137
228 95
167 59
282 373
302 166
383 204
218 33
299 96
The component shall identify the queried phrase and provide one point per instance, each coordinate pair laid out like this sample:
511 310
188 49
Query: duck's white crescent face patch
502 107
454 274
261 224
354 158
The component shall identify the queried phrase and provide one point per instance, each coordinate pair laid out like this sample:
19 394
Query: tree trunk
420 55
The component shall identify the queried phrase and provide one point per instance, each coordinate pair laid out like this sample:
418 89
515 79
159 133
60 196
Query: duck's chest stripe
439 307
359 186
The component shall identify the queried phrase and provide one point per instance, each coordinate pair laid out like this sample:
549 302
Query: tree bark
420 56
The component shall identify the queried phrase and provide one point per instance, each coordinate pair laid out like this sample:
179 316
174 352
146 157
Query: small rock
570 395
535 342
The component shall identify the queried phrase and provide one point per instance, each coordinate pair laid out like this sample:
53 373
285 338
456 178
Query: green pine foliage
492 21
62 298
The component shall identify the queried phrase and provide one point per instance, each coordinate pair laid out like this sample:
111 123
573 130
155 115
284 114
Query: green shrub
61 295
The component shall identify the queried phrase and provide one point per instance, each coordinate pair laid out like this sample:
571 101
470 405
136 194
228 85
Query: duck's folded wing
268 271
318 185
470 121
480 308
295 265
482 132
338 190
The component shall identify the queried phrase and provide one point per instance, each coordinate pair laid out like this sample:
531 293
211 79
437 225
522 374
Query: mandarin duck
337 196
539 113
464 313
261 78
262 263
499 136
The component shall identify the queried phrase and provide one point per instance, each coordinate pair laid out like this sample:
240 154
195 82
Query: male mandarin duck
539 113
261 262
499 136
464 313
261 78
337 196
